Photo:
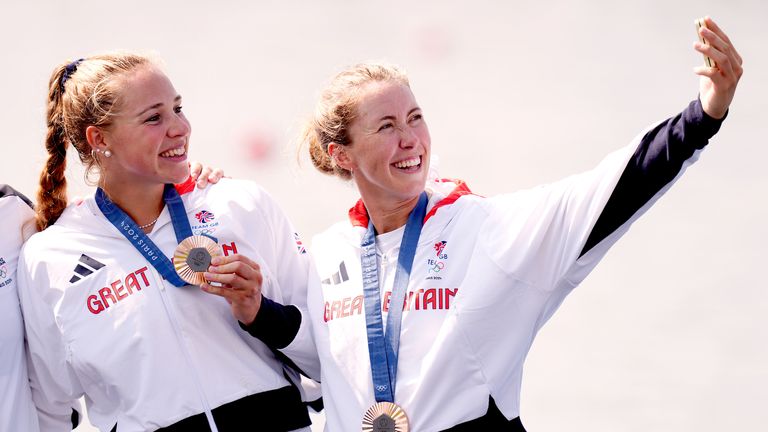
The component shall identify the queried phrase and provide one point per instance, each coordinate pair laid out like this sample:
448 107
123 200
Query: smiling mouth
179 151
410 164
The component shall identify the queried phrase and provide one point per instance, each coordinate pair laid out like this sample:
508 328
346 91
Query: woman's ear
95 137
340 156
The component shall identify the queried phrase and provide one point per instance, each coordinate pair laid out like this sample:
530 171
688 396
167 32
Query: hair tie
69 70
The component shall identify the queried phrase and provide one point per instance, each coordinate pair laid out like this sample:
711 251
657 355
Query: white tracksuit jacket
101 321
487 274
17 412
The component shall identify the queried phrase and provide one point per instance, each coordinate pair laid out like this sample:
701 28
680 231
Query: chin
178 177
412 191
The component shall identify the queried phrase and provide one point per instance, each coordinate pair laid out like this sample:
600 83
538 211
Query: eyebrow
391 117
157 105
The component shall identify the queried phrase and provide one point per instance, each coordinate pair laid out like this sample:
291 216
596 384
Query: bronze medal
193 257
385 417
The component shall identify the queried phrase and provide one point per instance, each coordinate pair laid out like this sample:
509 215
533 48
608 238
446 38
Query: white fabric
17 412
513 259
158 353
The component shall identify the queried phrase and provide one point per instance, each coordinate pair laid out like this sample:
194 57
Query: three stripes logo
85 267
338 277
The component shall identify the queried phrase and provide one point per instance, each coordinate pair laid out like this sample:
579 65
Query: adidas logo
86 266
338 277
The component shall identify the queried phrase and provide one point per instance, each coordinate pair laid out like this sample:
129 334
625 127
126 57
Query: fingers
721 50
235 271
199 174
204 175
238 280
727 46
208 176
202 181
723 62
215 175
718 84
720 42
194 169
712 25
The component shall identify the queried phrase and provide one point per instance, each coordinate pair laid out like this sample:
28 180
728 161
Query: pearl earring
107 153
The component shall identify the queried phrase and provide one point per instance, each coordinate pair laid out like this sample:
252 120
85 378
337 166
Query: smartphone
699 24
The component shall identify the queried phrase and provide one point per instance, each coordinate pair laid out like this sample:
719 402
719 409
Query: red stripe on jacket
358 214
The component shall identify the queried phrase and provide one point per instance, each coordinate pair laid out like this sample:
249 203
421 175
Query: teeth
173 152
408 162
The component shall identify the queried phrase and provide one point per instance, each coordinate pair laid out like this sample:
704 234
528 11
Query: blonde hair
337 108
80 94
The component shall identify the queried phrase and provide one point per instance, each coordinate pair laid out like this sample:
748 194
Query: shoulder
11 194
78 225
338 234
16 213
40 245
449 198
240 200
231 190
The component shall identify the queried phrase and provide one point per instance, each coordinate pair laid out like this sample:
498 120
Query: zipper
188 357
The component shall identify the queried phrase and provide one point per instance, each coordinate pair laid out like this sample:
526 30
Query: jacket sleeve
553 223
657 160
283 323
55 387
532 246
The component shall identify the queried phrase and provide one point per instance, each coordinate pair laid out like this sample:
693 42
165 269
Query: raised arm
663 151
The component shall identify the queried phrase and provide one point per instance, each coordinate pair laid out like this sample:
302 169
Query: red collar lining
186 187
358 215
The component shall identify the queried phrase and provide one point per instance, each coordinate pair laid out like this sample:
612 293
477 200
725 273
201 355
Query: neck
390 216
142 204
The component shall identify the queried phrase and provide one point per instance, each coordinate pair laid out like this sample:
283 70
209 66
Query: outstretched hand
718 84
240 280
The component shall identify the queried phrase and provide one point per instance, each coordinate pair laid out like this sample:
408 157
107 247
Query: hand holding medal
193 257
240 282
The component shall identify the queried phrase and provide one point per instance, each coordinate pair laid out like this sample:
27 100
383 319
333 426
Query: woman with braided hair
167 307
17 411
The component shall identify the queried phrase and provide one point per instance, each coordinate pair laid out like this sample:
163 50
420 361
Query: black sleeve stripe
276 325
7 191
657 161
317 404
74 418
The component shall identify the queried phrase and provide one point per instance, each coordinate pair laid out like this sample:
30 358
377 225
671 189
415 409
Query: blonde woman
431 296
202 343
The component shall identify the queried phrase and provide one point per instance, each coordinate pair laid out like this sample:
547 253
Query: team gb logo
439 246
438 264
204 216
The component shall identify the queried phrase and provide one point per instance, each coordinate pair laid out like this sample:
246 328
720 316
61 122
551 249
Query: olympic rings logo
439 265
3 272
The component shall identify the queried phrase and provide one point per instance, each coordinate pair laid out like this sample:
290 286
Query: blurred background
670 331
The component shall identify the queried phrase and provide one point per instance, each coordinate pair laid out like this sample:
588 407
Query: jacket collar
443 192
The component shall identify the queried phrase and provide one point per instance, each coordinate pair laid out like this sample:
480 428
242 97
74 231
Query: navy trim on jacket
657 161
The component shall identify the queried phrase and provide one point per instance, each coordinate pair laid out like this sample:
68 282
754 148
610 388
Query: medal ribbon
383 350
141 241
